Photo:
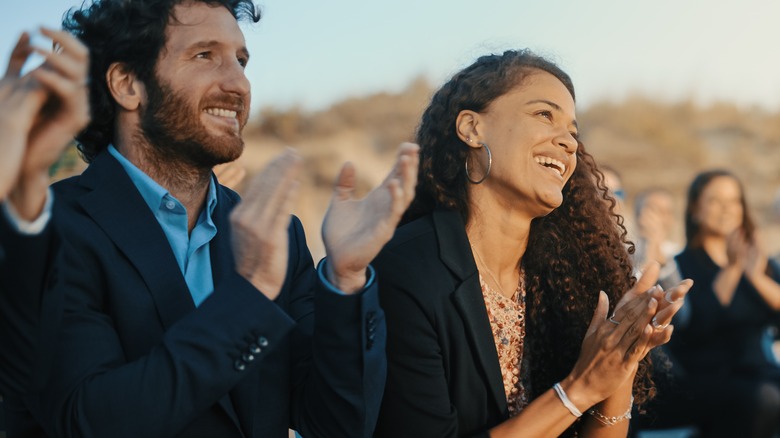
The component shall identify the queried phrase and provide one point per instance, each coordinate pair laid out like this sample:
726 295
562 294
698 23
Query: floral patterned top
507 321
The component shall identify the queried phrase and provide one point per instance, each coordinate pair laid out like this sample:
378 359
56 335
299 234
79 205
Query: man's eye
203 55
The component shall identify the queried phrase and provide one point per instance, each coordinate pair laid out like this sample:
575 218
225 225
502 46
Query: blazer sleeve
338 357
417 399
28 306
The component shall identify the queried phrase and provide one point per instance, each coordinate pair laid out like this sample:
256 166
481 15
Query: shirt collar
153 193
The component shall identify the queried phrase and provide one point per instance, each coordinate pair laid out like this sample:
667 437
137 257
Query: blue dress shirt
191 250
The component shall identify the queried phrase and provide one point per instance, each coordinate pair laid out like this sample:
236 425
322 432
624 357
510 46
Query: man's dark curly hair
573 253
131 32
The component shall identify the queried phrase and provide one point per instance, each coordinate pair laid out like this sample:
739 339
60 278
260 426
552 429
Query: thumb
345 183
600 314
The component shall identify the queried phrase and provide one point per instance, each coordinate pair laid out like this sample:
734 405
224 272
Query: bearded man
188 313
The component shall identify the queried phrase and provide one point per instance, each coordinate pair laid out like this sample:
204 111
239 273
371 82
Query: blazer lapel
455 252
118 208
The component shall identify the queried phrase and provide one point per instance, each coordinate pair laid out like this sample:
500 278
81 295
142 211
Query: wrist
578 393
29 195
347 282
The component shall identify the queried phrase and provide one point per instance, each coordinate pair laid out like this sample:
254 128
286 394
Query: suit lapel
118 208
222 262
455 252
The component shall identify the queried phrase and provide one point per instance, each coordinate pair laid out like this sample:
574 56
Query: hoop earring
487 172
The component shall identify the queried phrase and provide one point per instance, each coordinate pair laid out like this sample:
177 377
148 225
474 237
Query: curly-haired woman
491 288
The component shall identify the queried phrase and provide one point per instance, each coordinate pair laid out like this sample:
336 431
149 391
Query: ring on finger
612 319
657 326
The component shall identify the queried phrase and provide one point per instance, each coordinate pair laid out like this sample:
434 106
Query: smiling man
188 313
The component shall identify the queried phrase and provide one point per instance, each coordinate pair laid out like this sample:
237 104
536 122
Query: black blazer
444 378
136 358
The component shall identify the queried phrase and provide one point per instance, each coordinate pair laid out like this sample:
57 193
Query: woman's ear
468 128
124 86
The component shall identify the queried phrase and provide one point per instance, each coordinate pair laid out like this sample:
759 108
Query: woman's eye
243 61
203 55
545 114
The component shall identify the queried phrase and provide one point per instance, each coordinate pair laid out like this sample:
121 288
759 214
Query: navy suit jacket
136 358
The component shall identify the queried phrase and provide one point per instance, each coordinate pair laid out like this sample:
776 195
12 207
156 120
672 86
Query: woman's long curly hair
573 253
131 32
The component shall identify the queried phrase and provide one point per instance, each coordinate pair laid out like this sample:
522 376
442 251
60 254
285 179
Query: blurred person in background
496 325
40 113
654 218
729 382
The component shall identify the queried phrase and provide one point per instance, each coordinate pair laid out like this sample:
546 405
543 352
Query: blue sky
313 52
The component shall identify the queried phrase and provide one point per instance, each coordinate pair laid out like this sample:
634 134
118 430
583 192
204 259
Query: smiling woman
491 289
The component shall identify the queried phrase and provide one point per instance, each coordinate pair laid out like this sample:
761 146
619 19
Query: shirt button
262 341
254 349
170 205
239 365
248 357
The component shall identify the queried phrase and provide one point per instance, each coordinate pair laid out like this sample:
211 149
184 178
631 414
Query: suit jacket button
262 341
254 349
239 365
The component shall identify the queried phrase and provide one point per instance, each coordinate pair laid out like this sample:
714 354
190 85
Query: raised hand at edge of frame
65 112
20 101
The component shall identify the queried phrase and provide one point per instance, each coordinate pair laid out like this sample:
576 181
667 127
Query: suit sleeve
28 306
338 357
416 401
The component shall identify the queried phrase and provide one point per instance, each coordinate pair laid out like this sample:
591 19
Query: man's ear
468 128
124 86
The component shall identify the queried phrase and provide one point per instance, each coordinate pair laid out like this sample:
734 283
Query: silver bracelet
611 421
565 400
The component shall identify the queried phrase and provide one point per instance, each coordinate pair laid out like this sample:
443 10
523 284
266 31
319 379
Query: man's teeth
219 112
551 162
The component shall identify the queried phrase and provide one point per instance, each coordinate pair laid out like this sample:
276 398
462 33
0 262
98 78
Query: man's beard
172 128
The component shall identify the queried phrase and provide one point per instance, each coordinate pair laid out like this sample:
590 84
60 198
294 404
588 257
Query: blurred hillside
650 143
